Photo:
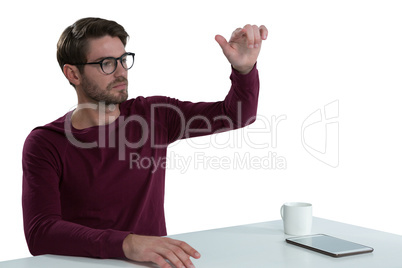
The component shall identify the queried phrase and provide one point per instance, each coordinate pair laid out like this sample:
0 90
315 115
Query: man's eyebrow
99 59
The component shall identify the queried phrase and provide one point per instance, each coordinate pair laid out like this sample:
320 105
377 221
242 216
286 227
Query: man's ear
72 74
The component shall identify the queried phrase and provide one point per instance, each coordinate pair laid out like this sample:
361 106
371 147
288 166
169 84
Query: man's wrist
243 70
126 245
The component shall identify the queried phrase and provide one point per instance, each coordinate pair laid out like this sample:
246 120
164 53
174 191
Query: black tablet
329 245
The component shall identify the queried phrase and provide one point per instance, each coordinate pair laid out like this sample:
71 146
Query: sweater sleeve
239 108
45 230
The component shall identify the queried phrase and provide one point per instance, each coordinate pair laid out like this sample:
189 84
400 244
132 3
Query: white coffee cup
297 218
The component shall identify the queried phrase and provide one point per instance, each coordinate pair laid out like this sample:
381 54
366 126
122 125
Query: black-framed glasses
109 64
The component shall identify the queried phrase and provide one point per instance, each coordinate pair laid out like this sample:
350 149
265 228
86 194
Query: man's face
98 86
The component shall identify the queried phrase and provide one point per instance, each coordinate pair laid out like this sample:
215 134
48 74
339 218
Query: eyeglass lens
109 65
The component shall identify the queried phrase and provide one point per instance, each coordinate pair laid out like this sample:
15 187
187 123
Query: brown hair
72 47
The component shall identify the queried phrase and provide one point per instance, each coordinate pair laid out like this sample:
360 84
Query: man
86 189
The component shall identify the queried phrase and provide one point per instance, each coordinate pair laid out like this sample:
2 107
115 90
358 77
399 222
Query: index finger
186 248
248 31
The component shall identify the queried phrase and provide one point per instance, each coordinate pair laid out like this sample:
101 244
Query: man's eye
107 63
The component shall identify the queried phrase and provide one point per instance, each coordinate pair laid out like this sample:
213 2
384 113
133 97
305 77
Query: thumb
222 43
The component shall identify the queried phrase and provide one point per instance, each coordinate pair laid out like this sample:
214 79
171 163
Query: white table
255 245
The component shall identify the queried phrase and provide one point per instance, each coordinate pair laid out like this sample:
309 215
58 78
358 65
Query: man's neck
91 114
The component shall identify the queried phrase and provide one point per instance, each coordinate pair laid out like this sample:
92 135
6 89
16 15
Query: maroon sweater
85 190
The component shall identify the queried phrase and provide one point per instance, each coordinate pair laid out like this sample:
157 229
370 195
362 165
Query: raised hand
244 46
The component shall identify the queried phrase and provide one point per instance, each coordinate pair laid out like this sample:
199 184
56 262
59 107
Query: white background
316 53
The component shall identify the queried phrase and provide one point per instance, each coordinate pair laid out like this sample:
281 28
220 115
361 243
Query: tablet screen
329 245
